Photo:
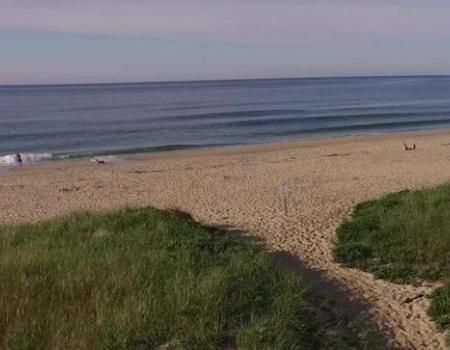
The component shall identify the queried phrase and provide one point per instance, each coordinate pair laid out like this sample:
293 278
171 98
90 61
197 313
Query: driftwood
70 189
410 300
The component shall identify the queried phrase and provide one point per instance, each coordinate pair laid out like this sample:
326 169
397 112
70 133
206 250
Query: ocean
69 121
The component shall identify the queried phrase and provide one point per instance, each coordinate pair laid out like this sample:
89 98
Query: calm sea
86 120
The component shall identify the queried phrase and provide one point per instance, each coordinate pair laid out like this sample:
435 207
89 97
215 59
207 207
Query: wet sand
238 187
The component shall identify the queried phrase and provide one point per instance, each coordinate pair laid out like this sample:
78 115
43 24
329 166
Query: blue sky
50 41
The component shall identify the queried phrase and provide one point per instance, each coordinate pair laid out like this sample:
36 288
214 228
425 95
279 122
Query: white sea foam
11 160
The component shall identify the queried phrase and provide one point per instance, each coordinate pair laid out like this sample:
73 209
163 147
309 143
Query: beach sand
238 188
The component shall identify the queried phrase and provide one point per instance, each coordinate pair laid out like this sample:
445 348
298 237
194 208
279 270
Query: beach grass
403 237
150 279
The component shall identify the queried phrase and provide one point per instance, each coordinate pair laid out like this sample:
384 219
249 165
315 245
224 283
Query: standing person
19 158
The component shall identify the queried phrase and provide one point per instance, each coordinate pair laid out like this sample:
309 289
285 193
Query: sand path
239 187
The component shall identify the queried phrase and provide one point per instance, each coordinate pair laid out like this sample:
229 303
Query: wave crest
10 159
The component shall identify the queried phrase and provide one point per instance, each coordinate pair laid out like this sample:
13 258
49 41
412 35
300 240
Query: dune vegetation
150 279
405 238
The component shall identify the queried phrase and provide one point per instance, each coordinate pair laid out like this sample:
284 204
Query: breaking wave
11 160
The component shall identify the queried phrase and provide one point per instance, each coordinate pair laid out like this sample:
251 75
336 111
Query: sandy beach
238 188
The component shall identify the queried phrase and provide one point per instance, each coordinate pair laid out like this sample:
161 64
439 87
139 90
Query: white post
284 194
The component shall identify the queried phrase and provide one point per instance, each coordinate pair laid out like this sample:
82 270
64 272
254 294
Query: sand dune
238 187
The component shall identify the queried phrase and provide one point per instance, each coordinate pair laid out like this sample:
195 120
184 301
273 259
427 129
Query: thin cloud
209 39
287 23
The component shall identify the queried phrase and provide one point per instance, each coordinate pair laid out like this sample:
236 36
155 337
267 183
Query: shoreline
293 143
234 148
238 188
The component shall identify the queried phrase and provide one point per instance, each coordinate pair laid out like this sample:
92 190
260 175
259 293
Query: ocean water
48 122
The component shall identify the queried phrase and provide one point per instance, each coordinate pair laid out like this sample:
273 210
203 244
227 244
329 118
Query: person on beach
19 158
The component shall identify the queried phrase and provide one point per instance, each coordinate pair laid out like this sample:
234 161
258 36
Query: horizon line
145 82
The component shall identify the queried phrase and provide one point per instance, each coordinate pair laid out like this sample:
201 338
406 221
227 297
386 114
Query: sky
75 41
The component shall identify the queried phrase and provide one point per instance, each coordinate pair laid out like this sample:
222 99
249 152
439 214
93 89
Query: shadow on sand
342 299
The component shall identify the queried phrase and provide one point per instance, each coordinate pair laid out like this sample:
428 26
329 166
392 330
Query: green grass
148 279
405 238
